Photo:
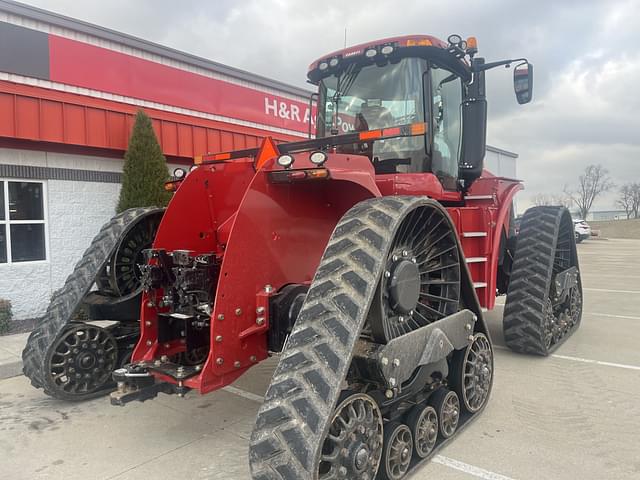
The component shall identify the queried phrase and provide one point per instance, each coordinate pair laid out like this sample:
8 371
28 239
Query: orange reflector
418 42
197 160
318 173
222 156
268 150
418 128
390 132
370 134
171 186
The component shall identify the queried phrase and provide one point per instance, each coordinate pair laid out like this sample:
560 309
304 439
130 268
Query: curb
10 369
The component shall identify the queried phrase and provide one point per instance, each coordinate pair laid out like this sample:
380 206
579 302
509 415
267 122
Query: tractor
364 257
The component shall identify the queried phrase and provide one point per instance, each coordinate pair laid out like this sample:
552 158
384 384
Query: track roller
447 407
397 451
423 422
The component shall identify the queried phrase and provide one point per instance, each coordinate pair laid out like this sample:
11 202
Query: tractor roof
418 45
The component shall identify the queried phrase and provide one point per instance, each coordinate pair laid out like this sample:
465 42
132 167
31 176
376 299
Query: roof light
386 50
370 53
333 62
472 42
285 161
323 66
318 158
179 173
454 39
193 167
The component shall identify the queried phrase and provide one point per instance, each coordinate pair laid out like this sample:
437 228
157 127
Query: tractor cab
411 80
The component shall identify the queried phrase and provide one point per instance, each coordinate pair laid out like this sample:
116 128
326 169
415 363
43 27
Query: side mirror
523 82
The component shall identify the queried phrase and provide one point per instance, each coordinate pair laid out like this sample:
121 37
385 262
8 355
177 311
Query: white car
582 230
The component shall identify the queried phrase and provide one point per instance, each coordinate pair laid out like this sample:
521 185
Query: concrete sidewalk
11 354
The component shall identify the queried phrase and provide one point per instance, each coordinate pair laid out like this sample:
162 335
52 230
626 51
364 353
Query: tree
626 199
545 199
145 169
591 184
630 199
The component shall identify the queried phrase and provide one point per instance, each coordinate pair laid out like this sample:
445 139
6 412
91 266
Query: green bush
145 169
5 315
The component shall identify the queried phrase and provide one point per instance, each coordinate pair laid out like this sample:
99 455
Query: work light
318 158
285 161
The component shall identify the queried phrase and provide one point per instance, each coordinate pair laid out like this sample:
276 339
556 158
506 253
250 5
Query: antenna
345 37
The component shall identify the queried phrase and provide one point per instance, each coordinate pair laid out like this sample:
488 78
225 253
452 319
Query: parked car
582 229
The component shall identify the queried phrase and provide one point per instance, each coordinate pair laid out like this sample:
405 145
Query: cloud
584 51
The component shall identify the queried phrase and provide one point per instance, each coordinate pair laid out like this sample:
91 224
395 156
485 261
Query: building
68 94
603 215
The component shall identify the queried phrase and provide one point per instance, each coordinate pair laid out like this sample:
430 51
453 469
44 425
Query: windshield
372 97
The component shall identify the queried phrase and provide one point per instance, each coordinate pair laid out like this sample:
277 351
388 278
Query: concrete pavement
574 415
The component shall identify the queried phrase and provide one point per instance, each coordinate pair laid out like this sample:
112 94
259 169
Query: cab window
446 125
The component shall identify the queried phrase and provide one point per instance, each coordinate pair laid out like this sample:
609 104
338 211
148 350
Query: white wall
75 211
500 164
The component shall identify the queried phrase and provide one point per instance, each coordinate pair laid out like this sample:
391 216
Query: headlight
179 173
386 50
285 161
372 52
318 158
323 66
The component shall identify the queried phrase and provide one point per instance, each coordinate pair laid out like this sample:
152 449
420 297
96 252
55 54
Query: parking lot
574 415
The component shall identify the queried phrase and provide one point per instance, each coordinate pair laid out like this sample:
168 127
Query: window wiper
343 86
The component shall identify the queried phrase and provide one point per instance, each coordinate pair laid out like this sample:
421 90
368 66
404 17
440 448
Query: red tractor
364 257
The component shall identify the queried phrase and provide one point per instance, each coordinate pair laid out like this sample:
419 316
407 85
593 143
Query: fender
276 237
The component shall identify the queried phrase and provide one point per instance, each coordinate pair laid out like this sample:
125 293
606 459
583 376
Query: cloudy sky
586 56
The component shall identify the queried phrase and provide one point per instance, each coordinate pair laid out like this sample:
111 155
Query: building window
22 222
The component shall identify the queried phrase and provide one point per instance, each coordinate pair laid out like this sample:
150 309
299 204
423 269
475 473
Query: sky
586 109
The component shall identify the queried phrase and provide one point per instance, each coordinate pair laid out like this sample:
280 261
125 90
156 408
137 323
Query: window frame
7 222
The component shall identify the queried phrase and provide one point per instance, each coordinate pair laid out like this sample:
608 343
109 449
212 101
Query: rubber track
66 301
531 280
292 422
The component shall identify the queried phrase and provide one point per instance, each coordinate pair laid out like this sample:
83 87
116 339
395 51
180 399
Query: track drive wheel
472 373
535 321
447 406
397 451
423 422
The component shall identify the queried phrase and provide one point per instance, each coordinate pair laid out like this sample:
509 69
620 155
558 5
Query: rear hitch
135 382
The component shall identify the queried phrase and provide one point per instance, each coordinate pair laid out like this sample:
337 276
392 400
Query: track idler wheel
447 406
353 446
472 373
80 362
397 451
423 422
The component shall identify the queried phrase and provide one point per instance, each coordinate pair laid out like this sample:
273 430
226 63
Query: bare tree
591 184
546 199
635 199
626 199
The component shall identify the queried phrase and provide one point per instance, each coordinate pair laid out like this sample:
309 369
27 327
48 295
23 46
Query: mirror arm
487 66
